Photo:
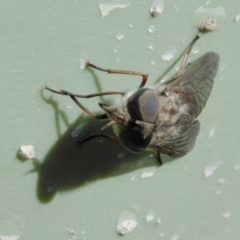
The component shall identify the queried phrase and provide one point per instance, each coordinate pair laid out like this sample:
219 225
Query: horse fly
160 117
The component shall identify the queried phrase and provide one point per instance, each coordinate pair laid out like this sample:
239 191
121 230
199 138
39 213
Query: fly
161 117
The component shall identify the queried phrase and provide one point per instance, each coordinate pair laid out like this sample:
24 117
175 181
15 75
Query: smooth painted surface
73 192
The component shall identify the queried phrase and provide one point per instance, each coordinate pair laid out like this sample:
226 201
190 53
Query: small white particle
157 7
120 154
221 181
126 223
237 18
151 29
227 215
236 167
169 53
153 63
195 50
212 132
150 216
106 6
83 59
147 173
150 46
120 36
26 151
175 237
211 168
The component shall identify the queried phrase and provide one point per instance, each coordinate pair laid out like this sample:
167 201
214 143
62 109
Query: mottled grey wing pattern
184 143
196 82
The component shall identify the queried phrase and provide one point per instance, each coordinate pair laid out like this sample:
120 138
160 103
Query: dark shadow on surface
69 165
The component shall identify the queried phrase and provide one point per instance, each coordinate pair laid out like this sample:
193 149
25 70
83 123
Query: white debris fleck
157 7
158 221
126 223
195 50
153 63
106 6
161 234
120 36
237 18
120 154
150 46
212 132
221 181
148 172
236 167
26 151
150 216
208 19
207 24
11 228
169 53
227 215
151 29
175 237
211 168
83 59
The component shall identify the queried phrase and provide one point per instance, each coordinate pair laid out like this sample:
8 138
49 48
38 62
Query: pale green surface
40 44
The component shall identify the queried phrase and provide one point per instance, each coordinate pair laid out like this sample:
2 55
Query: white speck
147 173
126 223
236 167
157 7
130 25
69 106
11 228
161 234
237 18
211 168
208 19
150 216
212 132
158 221
227 215
120 36
221 181
207 3
218 192
83 59
195 50
106 6
26 151
207 24
132 178
120 154
169 53
175 237
72 232
150 46
151 29
115 50
153 63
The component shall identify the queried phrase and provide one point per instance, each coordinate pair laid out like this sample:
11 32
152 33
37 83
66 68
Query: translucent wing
184 143
195 84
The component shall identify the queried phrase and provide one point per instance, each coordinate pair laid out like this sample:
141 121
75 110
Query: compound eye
144 105
134 139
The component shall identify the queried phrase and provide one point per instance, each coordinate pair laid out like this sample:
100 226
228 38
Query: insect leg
99 135
113 71
73 96
185 58
159 158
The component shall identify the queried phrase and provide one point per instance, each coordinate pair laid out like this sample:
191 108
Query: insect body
161 117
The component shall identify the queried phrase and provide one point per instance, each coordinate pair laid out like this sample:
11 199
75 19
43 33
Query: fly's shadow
72 162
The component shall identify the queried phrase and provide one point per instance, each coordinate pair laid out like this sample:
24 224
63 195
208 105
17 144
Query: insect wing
196 81
184 143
